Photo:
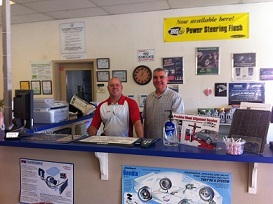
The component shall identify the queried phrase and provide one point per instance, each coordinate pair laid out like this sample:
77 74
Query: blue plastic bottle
170 131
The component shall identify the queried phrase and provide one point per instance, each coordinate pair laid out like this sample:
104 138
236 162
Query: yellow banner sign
209 27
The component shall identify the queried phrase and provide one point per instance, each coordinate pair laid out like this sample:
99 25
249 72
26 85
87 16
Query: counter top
181 151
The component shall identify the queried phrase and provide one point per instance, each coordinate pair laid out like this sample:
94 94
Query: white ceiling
26 11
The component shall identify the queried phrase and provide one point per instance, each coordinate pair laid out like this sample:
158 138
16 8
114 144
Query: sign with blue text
151 185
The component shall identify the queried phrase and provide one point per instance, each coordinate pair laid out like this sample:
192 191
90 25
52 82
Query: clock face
142 75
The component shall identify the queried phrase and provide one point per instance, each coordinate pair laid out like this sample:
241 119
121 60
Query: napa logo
176 31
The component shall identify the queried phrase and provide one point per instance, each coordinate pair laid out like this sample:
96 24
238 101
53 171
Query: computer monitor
23 109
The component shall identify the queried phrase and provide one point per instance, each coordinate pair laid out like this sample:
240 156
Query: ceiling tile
199 3
30 18
26 1
136 8
120 2
19 10
65 9
59 5
77 13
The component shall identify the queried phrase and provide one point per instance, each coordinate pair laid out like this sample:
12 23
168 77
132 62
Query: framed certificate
120 74
24 85
103 63
47 87
36 87
103 76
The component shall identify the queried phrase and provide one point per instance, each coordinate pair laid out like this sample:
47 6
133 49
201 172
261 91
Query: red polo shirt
118 119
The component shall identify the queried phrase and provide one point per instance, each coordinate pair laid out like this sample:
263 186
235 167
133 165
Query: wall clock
142 75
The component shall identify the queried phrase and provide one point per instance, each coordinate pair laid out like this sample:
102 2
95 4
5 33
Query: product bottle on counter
215 113
229 116
222 116
170 137
208 113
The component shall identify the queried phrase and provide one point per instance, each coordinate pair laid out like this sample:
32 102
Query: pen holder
235 147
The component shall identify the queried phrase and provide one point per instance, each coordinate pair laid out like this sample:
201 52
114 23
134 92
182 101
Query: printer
50 111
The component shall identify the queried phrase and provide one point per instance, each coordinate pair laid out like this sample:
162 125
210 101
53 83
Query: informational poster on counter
198 131
46 182
164 185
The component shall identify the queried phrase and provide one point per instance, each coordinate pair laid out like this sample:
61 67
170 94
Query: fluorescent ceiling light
11 2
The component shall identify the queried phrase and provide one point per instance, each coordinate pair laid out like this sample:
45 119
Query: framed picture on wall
36 87
103 63
47 87
207 61
244 67
266 73
103 76
174 67
24 85
120 74
252 92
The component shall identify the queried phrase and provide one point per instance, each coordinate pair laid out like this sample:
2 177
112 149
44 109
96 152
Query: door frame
57 75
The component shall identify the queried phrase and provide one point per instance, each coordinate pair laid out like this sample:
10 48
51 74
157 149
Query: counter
157 153
159 150
181 151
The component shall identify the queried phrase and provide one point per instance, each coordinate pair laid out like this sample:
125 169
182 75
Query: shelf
225 124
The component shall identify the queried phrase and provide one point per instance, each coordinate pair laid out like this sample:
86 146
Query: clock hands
142 72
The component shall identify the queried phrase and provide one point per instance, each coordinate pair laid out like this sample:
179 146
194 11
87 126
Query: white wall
119 37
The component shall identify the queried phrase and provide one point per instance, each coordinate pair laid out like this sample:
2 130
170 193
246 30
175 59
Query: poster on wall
244 66
41 70
207 61
266 74
220 89
150 185
73 40
142 100
174 68
253 92
146 55
206 27
174 87
46 182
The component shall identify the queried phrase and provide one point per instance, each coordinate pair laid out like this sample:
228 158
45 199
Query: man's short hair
160 69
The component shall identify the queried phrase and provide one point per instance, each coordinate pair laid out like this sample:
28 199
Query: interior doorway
78 83
74 78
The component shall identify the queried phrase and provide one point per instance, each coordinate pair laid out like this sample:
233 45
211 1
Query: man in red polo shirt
119 114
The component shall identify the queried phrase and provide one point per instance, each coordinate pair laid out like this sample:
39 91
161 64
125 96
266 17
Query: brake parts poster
151 185
46 182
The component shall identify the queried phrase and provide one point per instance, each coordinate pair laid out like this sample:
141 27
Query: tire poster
207 61
151 185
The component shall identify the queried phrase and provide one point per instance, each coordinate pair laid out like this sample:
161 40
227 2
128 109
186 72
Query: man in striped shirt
163 98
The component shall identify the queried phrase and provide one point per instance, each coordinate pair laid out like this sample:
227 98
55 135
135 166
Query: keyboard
52 138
